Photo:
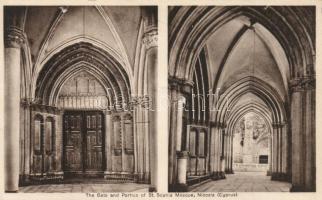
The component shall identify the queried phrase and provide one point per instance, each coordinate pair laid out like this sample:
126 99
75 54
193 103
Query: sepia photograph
160 99
242 98
79 98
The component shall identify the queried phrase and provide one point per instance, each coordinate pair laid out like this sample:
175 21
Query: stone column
270 146
303 134
231 153
229 158
216 146
172 133
178 90
139 135
181 104
279 143
14 38
108 148
59 143
310 168
274 155
226 153
25 136
212 147
182 171
284 151
150 41
222 150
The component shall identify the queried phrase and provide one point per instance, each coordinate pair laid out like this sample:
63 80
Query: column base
143 178
218 175
34 179
222 175
127 177
152 189
178 188
276 176
16 191
301 188
268 173
24 180
229 171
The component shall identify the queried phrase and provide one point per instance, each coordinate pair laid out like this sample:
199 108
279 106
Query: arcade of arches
76 94
242 90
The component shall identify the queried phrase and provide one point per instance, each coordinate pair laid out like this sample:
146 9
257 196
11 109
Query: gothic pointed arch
75 58
188 35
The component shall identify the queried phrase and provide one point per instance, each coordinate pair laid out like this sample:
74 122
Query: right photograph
242 98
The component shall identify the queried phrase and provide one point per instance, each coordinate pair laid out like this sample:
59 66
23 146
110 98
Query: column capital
14 37
107 112
302 84
212 124
220 125
182 154
278 124
181 85
150 38
25 103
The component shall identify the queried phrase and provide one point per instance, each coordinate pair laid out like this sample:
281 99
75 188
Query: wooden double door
83 143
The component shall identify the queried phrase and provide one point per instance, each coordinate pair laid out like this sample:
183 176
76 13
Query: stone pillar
14 38
59 143
150 41
275 157
108 145
222 152
140 144
303 134
182 172
181 104
270 146
226 153
310 168
173 123
231 153
212 151
178 90
216 147
284 151
25 136
279 152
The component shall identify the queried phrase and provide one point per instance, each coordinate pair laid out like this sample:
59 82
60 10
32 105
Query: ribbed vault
191 27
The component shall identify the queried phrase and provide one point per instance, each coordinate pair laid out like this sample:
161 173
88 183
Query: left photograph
80 85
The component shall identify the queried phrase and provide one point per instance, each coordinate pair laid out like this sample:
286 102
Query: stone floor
244 182
85 187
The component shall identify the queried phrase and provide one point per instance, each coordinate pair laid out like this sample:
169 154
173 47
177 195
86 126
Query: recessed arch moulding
88 58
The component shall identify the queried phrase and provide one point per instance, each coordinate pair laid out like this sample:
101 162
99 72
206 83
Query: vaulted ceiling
238 50
48 27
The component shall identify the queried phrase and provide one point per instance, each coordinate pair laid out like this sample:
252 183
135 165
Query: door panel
196 144
94 147
73 142
83 144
